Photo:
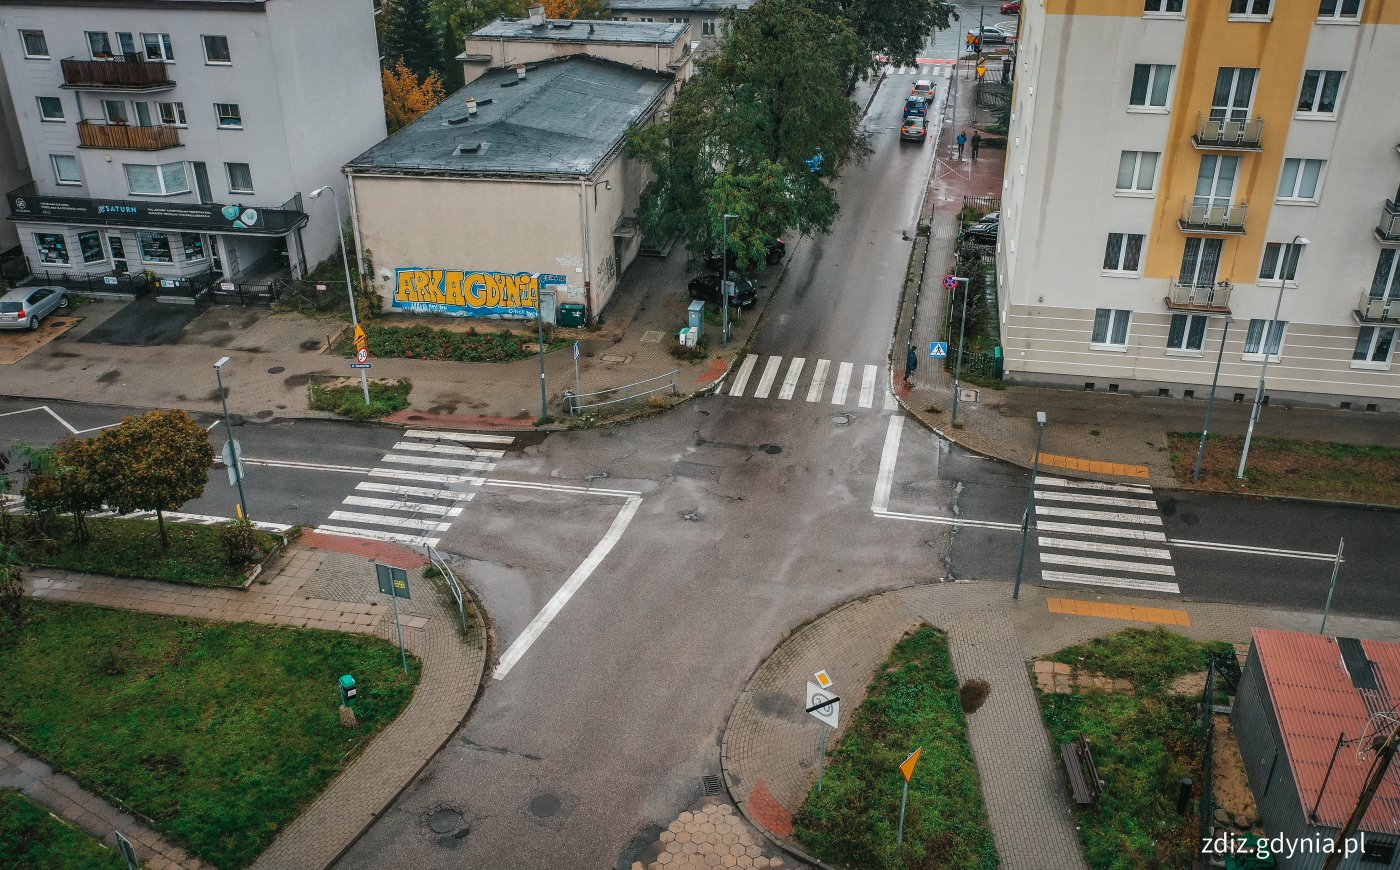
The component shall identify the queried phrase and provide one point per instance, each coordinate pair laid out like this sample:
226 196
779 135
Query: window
1299 180
164 180
158 46
65 169
1199 262
171 114
1164 7
90 246
50 109
646 18
1123 252
1255 338
127 43
1373 852
193 244
1280 265
1188 332
34 43
1215 182
216 50
230 118
1150 85
240 178
1340 10
707 27
1320 90
99 43
619 18
1234 93
115 112
52 247
1137 171
1251 8
1111 327
143 113
1386 282
679 20
1373 346
155 248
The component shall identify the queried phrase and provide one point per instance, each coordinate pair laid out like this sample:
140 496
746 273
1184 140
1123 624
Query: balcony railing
1388 230
128 71
95 134
1211 216
1229 134
1189 295
1378 309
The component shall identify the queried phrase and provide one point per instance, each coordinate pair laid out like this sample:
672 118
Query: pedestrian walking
911 362
976 144
962 140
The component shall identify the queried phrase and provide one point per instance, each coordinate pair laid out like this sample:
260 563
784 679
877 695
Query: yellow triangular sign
361 340
907 768
981 71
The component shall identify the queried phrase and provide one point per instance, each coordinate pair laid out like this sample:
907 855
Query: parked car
990 35
922 88
915 129
916 106
706 287
984 232
1011 7
776 249
24 307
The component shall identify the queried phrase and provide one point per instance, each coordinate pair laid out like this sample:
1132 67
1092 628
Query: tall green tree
408 30
455 20
895 28
154 462
62 480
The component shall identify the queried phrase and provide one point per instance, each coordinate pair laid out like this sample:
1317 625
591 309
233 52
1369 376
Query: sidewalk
323 582
770 745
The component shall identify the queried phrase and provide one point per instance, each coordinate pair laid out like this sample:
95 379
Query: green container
571 314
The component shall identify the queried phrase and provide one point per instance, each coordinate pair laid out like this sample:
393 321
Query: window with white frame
1254 341
50 109
1300 179
127 43
240 178
171 114
619 18
1251 8
1188 332
1280 262
115 112
679 20
1111 327
1373 346
1385 284
216 50
155 248
99 43
65 169
1320 90
1164 7
229 115
35 45
1122 253
158 46
166 179
1151 83
1339 10
1137 171
646 18
707 26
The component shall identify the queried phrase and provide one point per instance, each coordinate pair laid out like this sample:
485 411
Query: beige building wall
485 54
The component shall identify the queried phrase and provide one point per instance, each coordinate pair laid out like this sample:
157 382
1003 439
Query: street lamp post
724 280
349 287
1210 403
1295 252
236 467
962 331
1030 505
539 328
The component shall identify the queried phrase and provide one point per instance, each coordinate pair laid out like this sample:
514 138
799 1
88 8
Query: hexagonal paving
713 837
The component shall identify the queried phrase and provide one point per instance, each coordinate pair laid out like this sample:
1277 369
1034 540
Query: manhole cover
969 395
263 415
713 786
770 449
652 336
614 358
841 419
545 805
276 370
444 821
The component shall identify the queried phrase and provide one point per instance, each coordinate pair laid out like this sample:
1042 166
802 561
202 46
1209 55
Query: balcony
95 134
1388 230
1190 295
129 72
1212 217
1233 134
1377 309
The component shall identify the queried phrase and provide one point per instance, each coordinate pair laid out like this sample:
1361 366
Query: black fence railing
134 283
189 286
985 203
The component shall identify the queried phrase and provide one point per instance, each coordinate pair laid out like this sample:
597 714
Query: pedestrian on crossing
976 144
962 140
911 362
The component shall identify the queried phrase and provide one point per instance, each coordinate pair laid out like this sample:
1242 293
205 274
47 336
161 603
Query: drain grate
713 785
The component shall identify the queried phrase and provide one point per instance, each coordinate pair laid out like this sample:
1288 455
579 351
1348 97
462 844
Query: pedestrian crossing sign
938 349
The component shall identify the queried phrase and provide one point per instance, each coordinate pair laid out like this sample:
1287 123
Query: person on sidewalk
976 144
962 140
911 362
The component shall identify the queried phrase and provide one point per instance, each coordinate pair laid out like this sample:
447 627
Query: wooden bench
1084 779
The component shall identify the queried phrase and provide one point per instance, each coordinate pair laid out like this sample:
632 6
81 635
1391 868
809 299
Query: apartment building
14 166
703 19
508 42
1180 168
179 137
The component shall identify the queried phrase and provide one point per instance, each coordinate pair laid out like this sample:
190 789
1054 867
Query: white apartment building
179 137
14 166
1175 166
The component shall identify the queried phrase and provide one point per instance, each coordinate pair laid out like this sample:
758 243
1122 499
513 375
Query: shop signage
130 212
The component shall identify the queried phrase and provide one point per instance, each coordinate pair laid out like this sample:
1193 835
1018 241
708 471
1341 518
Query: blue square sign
938 349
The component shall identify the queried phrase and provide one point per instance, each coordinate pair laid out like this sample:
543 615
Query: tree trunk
160 521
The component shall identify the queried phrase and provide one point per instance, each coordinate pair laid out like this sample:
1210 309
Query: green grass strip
131 548
32 838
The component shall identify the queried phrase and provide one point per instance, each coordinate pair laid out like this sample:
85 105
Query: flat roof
679 5
647 32
564 118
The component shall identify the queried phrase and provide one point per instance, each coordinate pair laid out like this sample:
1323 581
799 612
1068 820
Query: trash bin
571 315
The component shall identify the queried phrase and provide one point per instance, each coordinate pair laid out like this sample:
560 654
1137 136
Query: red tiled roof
1315 701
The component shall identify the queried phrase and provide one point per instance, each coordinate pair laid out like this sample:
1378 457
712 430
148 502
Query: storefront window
53 248
194 246
90 243
155 248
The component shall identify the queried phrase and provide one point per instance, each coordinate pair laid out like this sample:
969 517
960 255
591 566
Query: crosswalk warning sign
938 349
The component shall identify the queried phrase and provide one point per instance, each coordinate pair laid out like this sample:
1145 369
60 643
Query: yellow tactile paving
1131 613
1121 469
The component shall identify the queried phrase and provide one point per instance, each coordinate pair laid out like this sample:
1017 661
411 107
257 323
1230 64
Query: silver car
24 307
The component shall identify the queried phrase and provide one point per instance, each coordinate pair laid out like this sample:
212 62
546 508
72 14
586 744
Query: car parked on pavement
1011 7
922 88
916 106
984 232
915 129
773 255
24 307
706 287
991 35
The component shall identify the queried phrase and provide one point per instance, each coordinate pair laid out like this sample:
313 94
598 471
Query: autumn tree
597 10
406 97
154 462
62 481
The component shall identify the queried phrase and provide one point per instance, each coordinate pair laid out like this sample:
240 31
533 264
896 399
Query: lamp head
315 194
1040 417
223 361
1299 240
733 216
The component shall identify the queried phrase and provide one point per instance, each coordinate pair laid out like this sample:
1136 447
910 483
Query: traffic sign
823 679
362 355
823 704
907 768
950 283
938 349
359 365
128 851
233 461
392 581
361 340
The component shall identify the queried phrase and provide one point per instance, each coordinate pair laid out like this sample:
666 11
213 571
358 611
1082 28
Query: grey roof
679 5
565 118
649 32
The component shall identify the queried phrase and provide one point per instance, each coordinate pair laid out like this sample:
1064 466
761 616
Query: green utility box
571 315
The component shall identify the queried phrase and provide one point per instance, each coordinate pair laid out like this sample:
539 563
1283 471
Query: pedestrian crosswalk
772 380
925 70
1102 534
433 473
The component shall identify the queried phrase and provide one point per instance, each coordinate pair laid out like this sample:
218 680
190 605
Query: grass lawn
1143 744
31 837
912 702
220 733
131 548
348 399
1314 469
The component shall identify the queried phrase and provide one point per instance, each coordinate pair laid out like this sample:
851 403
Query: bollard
1183 795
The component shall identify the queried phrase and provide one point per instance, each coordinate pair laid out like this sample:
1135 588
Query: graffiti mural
459 293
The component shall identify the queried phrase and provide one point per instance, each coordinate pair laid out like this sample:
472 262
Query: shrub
426 342
348 400
242 542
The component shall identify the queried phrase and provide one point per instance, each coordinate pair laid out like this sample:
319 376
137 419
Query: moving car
990 35
916 106
776 249
1011 7
24 307
915 129
922 88
985 231
706 287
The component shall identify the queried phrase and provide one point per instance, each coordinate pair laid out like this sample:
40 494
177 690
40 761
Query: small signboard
950 282
167 282
320 288
233 461
109 279
128 851
362 355
392 581
226 286
823 679
823 704
938 349
907 768
359 365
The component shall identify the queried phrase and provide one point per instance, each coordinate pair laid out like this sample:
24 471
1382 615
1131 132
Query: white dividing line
1116 582
867 387
765 381
470 437
1096 547
885 479
1105 500
814 392
741 379
551 609
1254 551
62 422
448 449
413 507
843 380
208 520
305 466
438 462
891 403
949 521
1100 531
381 520
424 477
376 535
563 487
1101 516
1091 484
418 491
790 379
1107 564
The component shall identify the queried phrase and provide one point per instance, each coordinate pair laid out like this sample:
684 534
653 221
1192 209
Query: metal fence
625 394
454 588
133 283
988 202
190 287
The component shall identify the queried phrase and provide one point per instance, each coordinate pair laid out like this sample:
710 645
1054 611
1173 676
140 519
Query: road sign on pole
823 704
362 355
393 582
361 339
233 461
938 349
950 282
128 851
823 679
907 768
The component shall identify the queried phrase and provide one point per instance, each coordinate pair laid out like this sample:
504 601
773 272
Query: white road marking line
741 379
1100 531
449 450
470 437
375 534
208 520
1096 547
471 464
1246 550
1101 516
867 387
790 379
1106 500
1093 484
884 480
561 487
62 422
843 380
891 403
419 491
949 521
307 466
1116 582
1107 564
814 392
546 615
424 477
381 520
413 507
765 381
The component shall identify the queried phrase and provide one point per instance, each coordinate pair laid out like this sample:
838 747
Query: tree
458 18
11 576
405 97
154 462
61 480
587 9
895 28
409 32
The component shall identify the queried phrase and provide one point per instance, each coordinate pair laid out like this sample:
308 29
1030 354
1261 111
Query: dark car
706 287
984 232
1011 7
916 106
915 129
774 254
